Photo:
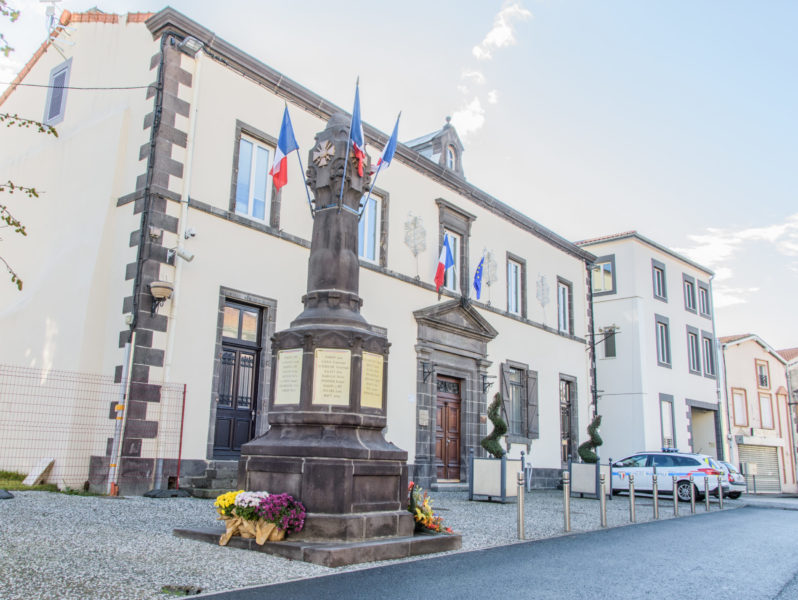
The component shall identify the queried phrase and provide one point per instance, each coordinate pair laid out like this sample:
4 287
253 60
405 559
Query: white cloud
470 118
473 76
493 97
502 33
718 248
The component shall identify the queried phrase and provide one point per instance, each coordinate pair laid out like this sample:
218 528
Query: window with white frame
658 277
762 374
663 341
514 270
689 293
253 182
368 229
666 416
564 306
515 380
602 275
766 411
709 354
740 404
704 307
451 158
55 105
693 351
452 280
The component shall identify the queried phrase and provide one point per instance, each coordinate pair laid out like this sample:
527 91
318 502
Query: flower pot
276 534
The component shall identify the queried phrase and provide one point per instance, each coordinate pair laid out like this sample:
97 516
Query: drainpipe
790 439
592 334
185 199
723 439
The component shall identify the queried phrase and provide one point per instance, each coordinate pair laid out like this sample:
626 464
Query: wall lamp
427 369
186 255
161 292
190 45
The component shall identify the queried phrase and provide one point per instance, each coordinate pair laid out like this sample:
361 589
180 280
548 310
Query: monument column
327 407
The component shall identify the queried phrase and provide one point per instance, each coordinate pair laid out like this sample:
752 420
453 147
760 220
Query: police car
666 464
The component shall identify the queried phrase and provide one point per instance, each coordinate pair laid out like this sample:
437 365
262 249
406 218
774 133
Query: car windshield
729 467
639 460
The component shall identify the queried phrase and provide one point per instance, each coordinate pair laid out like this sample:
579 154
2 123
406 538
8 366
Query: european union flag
478 277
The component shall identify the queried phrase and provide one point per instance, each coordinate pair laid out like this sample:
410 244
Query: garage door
767 466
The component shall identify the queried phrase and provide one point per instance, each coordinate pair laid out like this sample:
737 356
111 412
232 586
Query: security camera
186 255
190 233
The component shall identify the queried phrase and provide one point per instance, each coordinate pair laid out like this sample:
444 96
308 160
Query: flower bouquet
420 506
259 515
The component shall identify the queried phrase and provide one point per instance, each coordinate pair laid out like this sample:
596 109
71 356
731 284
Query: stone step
335 553
460 486
200 492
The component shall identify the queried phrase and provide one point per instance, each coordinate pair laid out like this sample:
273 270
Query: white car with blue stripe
666 465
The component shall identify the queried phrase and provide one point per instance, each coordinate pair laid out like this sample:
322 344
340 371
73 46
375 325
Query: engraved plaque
371 380
331 375
289 377
423 417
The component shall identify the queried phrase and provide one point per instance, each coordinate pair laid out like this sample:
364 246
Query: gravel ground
85 548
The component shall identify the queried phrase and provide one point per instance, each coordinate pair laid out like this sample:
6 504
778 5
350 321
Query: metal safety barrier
521 533
566 493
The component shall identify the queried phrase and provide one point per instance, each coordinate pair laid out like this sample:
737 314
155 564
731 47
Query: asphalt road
748 553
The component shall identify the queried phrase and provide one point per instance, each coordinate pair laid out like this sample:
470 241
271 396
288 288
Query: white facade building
656 358
180 164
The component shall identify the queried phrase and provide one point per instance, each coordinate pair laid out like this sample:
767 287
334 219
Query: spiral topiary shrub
587 450
491 442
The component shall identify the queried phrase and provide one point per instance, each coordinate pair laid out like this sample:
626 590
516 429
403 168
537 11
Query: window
602 275
609 342
520 389
689 293
762 374
565 319
451 158
57 93
457 223
451 281
663 341
740 405
516 285
516 401
368 229
253 182
704 306
639 460
666 418
568 425
658 276
709 354
693 350
766 411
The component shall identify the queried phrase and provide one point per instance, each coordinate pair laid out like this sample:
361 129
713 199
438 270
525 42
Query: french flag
286 144
390 148
356 134
445 262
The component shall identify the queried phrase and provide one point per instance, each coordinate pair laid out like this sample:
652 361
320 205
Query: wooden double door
447 429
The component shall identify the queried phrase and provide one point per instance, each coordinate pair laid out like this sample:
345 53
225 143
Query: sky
673 118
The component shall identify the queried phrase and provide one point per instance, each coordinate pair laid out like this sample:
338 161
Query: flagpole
374 181
346 156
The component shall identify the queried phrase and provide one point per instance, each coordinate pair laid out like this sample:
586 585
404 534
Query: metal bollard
521 535
655 491
675 496
720 492
602 500
632 517
706 492
692 494
566 496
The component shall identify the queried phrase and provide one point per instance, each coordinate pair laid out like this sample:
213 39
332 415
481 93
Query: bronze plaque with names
331 375
289 376
371 380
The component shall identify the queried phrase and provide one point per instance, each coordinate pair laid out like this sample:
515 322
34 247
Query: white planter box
487 477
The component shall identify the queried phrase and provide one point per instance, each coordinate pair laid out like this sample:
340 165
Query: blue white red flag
445 262
356 134
286 144
390 148
478 277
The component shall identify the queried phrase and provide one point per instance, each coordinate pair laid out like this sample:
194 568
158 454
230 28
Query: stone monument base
337 553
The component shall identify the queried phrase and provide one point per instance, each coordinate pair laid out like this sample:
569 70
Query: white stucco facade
86 263
650 395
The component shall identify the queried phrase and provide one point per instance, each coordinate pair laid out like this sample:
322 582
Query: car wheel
734 495
683 491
